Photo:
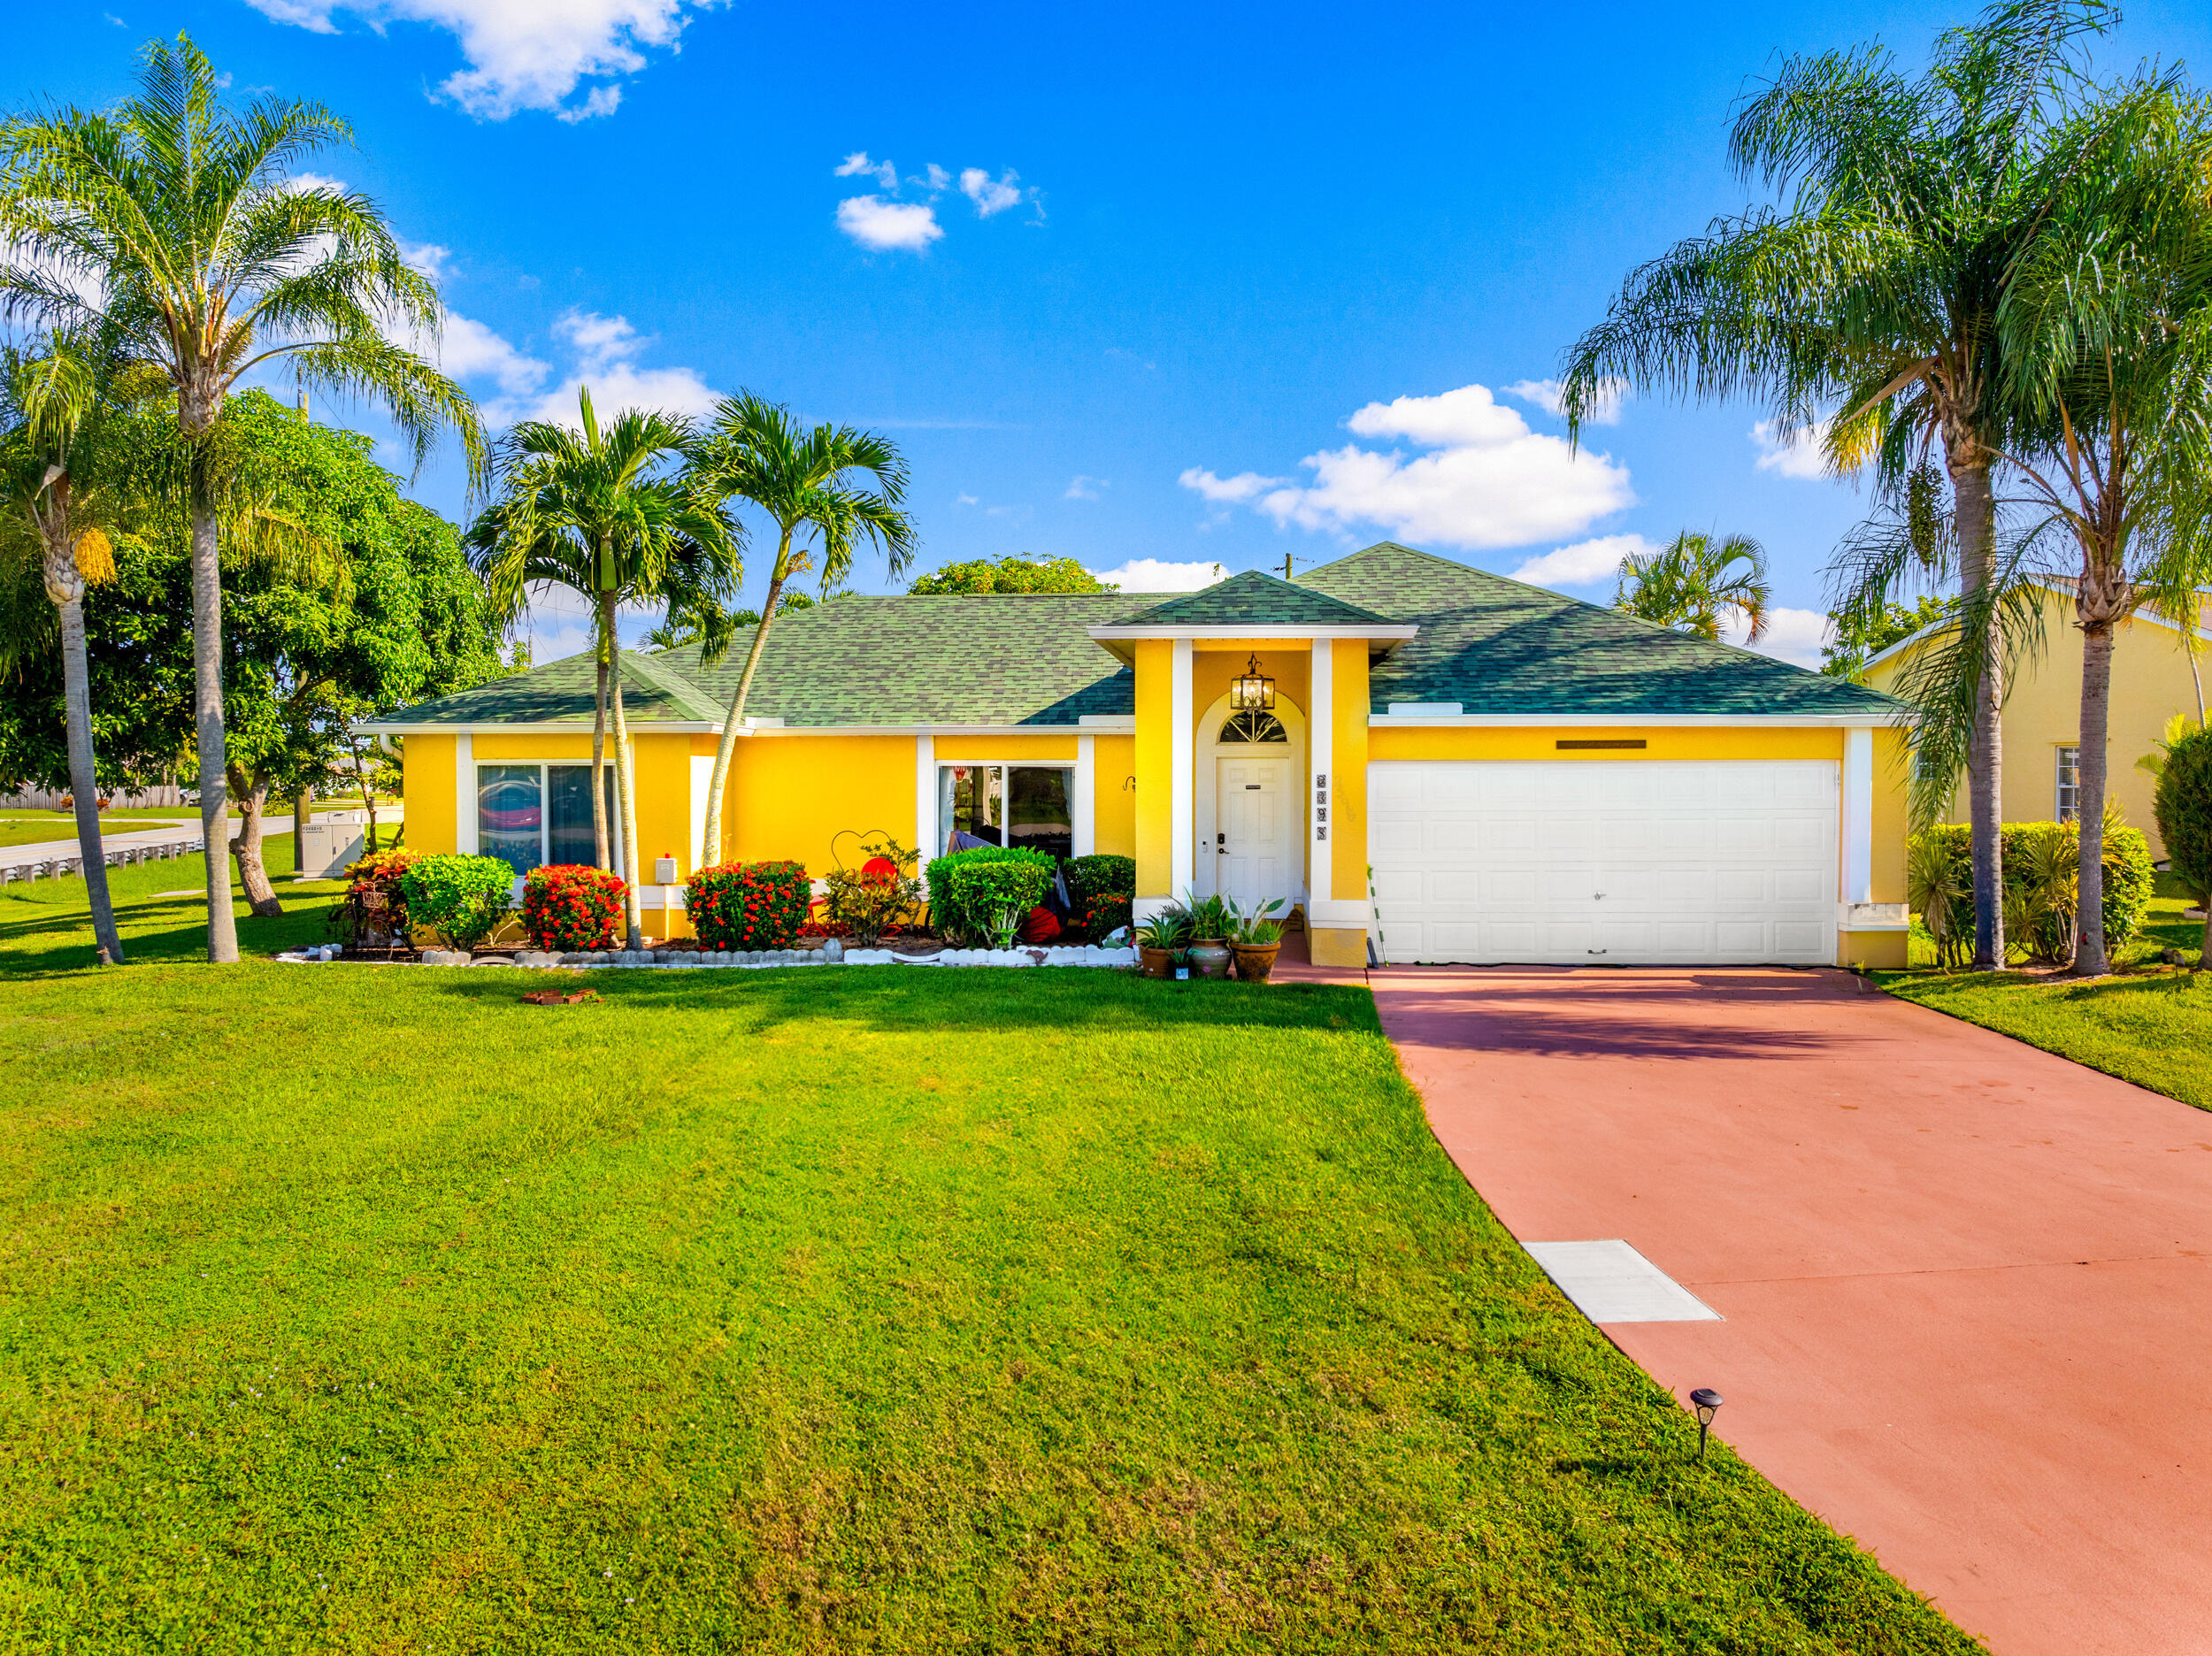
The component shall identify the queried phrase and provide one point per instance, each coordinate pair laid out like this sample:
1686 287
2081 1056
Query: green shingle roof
1500 646
1493 645
1256 599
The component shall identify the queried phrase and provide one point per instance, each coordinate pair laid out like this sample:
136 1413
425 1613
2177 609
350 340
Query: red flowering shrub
1041 926
749 905
567 906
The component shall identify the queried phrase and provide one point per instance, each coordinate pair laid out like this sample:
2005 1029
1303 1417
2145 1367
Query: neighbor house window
530 815
2069 784
1029 806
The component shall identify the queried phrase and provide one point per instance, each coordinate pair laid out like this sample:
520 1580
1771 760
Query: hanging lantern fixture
1252 691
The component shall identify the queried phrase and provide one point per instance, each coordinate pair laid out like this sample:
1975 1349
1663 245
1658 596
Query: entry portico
1317 650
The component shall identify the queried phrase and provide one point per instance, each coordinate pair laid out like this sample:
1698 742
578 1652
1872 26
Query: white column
927 837
464 794
1321 744
1858 816
1084 805
1180 779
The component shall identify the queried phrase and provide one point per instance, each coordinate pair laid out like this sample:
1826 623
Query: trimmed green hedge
970 889
1103 887
2040 885
2184 809
463 898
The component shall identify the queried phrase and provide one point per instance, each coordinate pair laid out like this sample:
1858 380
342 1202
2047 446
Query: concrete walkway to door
1967 1284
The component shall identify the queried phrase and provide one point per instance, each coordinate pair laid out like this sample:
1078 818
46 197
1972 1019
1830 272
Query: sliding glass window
528 815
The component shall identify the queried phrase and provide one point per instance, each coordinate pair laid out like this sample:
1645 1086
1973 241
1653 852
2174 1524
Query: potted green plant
1255 938
1160 940
1209 934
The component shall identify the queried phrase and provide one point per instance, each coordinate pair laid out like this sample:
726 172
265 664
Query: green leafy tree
64 494
1013 575
758 456
1695 583
2183 805
171 225
347 601
605 511
1859 638
1865 303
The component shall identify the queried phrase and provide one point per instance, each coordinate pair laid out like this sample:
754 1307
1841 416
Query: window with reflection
1254 727
511 815
1029 806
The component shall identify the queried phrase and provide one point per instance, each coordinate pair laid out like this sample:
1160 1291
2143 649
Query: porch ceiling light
1252 691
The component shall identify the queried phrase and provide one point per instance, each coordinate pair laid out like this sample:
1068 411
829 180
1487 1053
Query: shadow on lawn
890 998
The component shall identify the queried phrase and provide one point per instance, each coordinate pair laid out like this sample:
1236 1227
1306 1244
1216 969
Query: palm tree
1868 303
2107 334
757 453
1691 583
63 496
170 227
598 510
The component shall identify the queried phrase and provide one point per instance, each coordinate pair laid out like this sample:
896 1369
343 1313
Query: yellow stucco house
1529 777
2153 678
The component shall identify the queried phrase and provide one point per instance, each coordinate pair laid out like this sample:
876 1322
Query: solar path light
1707 1402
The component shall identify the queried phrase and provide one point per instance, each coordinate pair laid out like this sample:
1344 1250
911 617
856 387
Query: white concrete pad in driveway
1610 1282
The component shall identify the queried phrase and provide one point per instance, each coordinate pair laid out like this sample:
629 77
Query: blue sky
1187 287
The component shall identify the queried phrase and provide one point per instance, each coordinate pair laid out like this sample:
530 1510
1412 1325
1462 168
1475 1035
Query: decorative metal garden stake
1707 1402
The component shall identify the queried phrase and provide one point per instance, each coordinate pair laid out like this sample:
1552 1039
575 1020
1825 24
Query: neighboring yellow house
2153 678
1529 779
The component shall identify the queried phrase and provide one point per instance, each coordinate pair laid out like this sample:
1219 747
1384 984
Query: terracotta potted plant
1254 939
1160 941
1208 935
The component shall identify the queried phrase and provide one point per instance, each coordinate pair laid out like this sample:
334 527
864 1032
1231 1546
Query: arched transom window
1253 727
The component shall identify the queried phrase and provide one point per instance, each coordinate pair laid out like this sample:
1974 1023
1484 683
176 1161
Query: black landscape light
1707 1402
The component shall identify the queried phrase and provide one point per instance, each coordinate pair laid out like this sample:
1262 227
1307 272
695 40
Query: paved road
159 831
1967 1285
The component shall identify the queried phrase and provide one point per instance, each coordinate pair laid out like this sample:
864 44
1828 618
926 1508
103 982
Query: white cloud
857 163
990 194
1792 635
427 258
1085 487
1585 563
965 499
1489 482
1235 491
936 178
597 339
469 351
881 225
316 181
1605 409
1797 456
521 54
1152 575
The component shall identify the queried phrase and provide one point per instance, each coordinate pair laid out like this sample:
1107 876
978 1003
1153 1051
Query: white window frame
2066 780
1072 767
545 814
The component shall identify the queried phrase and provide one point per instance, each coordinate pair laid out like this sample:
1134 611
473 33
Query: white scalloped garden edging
753 960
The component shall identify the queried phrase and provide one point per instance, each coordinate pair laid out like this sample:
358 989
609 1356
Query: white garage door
1628 863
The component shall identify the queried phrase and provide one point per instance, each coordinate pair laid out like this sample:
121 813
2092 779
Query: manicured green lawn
30 830
360 1308
2149 1024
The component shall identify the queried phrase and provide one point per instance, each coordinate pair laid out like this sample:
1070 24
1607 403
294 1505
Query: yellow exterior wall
1046 749
664 804
1347 785
2151 683
496 746
1155 753
1113 802
1892 784
1211 669
432 818
789 796
1730 741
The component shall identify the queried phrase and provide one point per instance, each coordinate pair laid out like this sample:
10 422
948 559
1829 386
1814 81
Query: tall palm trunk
626 792
253 871
207 685
1975 512
599 757
711 845
2089 958
64 585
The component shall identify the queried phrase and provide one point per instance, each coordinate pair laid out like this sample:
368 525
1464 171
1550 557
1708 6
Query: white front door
1251 850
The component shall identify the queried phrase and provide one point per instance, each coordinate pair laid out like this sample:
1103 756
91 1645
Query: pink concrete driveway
1967 1285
